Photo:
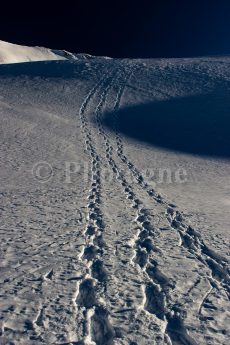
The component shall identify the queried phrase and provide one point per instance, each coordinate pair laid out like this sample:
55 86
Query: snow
13 53
97 245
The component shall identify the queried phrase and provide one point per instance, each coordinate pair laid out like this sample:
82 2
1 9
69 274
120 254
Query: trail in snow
154 292
97 328
157 300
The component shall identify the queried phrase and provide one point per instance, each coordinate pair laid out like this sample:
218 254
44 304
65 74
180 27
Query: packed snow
115 196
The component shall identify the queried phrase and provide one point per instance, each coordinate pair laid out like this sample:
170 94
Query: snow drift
13 53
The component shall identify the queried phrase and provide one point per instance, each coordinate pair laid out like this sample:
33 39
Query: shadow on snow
196 125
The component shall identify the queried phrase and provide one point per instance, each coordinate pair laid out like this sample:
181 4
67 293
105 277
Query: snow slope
97 245
13 53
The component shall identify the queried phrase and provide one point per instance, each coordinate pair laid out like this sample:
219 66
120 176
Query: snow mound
13 53
79 56
72 56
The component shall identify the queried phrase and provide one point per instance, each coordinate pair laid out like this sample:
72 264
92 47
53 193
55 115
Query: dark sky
144 28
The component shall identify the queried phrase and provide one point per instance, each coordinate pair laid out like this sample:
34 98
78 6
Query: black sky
144 28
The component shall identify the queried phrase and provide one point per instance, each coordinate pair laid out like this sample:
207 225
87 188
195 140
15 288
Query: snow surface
103 250
13 53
